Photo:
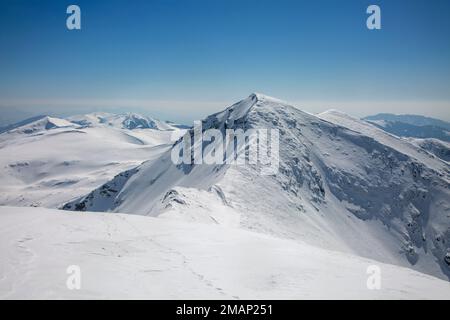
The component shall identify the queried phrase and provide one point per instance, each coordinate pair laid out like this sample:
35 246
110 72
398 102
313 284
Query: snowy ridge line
342 184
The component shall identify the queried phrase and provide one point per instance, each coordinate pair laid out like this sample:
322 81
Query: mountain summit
342 184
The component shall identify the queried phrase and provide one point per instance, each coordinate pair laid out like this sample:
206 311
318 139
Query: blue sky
185 59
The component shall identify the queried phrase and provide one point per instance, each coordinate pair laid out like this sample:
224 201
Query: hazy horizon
183 60
187 112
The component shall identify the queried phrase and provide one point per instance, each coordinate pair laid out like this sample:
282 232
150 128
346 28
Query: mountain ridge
413 126
412 119
341 184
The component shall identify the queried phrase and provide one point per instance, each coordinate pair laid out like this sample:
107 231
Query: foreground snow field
130 256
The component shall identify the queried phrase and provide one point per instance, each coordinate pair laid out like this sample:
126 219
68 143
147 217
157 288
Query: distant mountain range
414 126
127 121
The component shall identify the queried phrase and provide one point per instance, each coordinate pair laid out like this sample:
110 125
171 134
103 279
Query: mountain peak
243 107
263 97
335 112
331 170
37 123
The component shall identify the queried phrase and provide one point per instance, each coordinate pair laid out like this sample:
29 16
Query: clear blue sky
185 59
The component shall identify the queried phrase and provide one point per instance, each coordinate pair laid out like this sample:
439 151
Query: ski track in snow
133 257
169 250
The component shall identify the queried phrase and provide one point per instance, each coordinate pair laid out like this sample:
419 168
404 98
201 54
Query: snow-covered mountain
439 148
129 121
36 124
133 257
47 161
342 184
414 120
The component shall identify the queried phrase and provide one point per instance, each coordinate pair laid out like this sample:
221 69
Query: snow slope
342 184
363 127
415 120
133 257
439 148
48 161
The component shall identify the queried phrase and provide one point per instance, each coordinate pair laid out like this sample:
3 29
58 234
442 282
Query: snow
35 124
129 121
347 195
438 148
49 161
134 257
383 137
345 186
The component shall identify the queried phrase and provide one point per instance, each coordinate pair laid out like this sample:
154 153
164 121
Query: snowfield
439 148
347 196
48 161
133 257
